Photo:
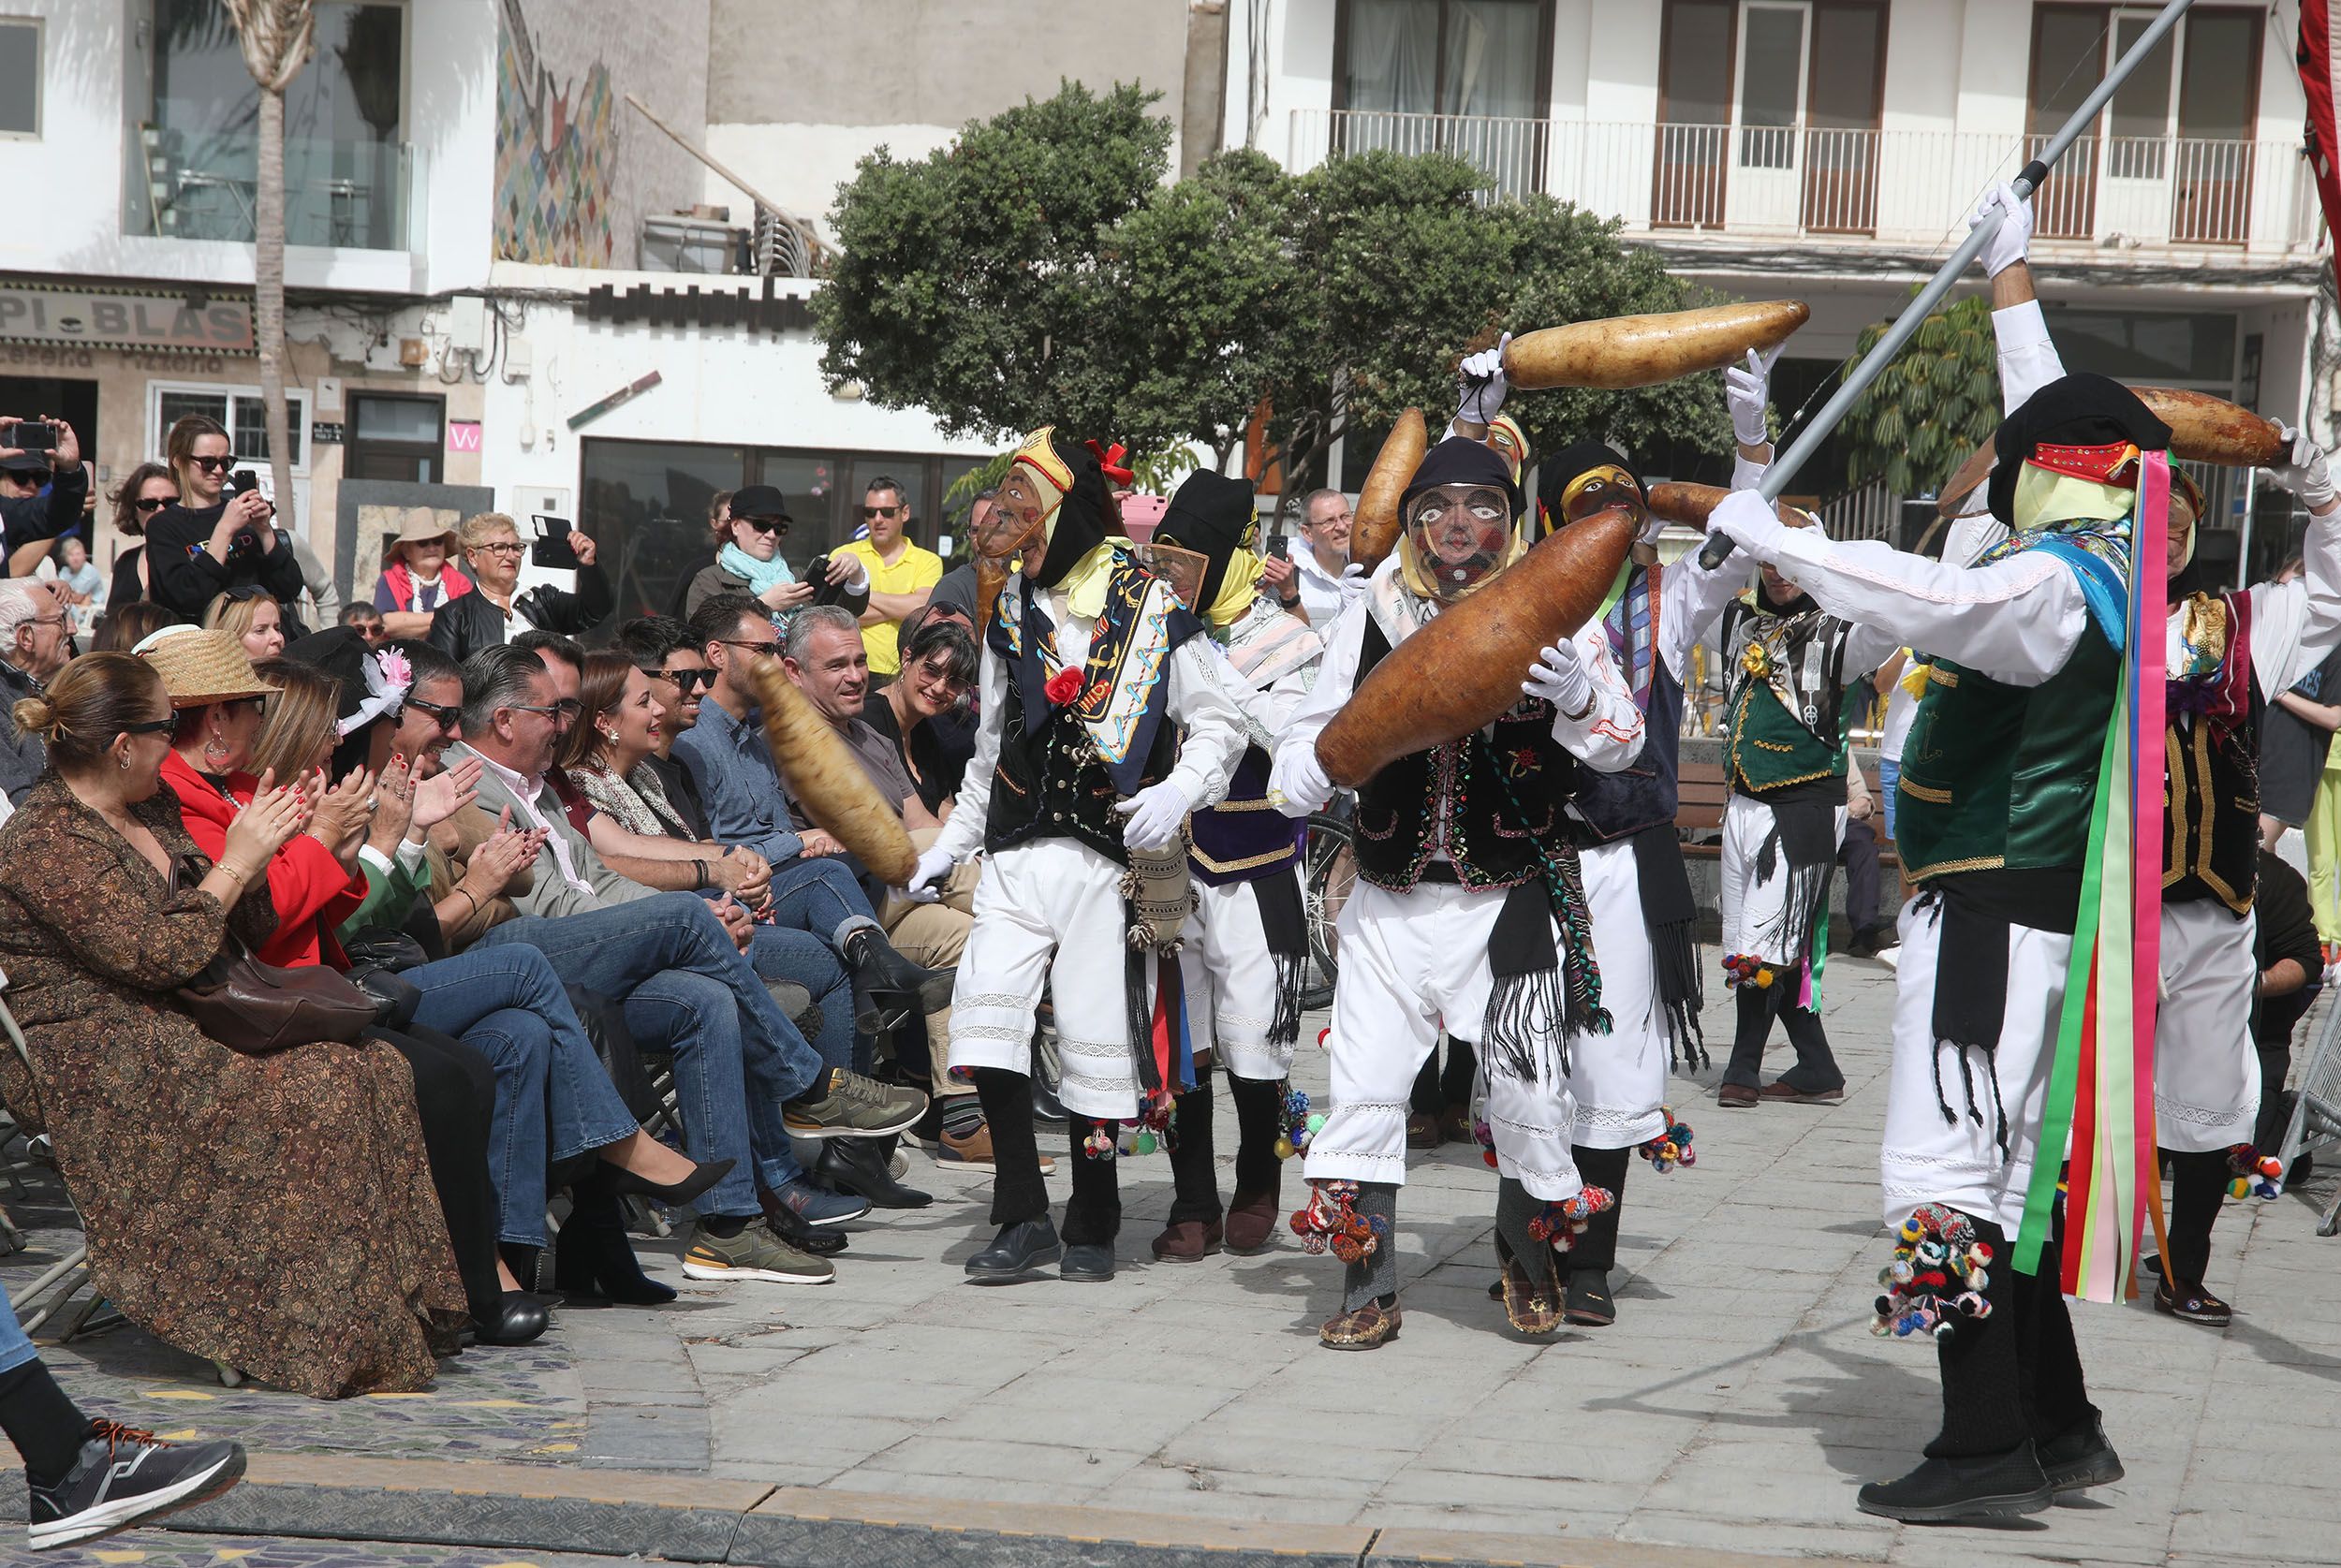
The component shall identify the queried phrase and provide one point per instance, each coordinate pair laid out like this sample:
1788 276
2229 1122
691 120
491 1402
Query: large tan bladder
1625 351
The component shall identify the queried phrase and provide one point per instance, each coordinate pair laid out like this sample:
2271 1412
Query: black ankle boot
862 1167
1944 1491
888 989
593 1261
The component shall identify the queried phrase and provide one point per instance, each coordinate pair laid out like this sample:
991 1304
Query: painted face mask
1601 489
1181 570
1020 513
1507 440
1460 533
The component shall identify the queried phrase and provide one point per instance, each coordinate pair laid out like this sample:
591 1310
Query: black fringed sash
1970 1002
1805 834
1284 925
1671 915
1540 989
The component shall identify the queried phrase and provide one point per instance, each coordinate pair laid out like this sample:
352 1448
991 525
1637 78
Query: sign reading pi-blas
126 320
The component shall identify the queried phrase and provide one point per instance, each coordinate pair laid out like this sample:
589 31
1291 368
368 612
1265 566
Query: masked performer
1104 725
1470 910
1248 938
2229 656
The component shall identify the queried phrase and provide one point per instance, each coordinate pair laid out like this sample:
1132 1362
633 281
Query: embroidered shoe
2194 1303
1369 1328
124 1477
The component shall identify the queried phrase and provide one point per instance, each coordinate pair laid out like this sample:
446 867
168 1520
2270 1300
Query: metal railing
1905 188
355 194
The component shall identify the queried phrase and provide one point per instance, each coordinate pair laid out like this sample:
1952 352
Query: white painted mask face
1459 532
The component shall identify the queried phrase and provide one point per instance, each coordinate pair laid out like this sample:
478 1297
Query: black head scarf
1211 513
2082 410
1564 468
1083 518
1461 460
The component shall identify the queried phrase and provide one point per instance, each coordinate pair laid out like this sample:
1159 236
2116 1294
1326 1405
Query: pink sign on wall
463 435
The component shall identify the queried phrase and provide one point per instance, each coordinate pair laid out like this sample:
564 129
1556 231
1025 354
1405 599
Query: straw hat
423 527
199 668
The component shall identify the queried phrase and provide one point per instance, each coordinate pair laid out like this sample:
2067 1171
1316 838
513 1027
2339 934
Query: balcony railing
1910 190
358 195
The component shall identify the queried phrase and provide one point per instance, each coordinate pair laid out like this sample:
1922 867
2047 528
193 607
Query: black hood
1210 515
1084 519
2083 410
1461 460
1564 468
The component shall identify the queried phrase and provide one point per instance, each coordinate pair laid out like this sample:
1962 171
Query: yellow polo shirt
917 569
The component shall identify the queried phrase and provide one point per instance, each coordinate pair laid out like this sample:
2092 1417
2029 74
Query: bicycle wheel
1329 869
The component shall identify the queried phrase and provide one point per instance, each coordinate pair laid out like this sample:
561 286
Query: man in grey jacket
36 640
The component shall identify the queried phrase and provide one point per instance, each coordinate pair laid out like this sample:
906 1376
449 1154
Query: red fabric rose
1063 686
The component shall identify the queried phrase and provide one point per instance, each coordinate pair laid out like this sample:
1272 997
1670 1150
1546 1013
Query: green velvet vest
1768 750
1998 777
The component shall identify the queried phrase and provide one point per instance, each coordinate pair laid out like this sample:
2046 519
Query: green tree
1932 406
964 281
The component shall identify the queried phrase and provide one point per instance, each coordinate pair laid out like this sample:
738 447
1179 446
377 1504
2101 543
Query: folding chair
38 1302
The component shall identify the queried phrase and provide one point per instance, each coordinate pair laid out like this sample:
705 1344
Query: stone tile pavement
1735 1406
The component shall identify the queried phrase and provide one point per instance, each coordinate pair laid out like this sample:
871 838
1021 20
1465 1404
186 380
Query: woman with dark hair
924 712
272 1214
149 489
206 543
124 627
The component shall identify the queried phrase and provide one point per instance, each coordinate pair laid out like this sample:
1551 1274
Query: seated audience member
125 626
148 489
750 561
416 579
36 640
229 716
252 619
746 1078
366 621
206 544
80 583
272 1214
827 662
669 651
924 715
497 611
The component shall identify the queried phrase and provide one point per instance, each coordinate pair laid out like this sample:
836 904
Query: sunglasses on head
213 466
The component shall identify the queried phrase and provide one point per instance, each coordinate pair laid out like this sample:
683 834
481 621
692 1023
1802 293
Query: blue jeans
15 1349
784 953
817 893
553 1101
1889 771
688 989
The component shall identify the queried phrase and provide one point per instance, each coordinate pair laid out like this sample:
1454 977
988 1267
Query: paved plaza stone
1733 1408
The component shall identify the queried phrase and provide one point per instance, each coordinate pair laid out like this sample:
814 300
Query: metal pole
1784 468
2244 546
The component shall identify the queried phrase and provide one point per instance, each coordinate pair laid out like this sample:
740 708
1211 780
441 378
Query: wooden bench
1701 793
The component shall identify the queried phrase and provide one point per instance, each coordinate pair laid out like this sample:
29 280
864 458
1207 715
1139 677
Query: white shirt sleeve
1609 735
963 835
2016 621
1691 597
1337 678
2295 624
1212 738
2027 360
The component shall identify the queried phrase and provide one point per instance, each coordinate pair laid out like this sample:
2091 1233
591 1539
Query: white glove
2013 238
1353 581
1746 518
1483 385
926 883
1559 676
1297 782
2307 474
1747 391
1155 813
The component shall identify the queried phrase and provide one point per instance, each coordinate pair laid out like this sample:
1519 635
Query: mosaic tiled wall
576 169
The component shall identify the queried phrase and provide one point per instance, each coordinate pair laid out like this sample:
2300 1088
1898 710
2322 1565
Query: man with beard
1469 911
1248 936
1104 725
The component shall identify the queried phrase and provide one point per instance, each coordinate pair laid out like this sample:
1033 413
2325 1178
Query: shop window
239 411
20 76
394 438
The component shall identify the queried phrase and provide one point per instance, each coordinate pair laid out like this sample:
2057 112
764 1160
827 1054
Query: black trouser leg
1596 1251
1017 1191
46 1427
1983 1405
1860 854
1455 1082
1424 1099
1259 1122
1756 1004
455 1097
2275 1066
1094 1212
1194 1168
1816 1071
2198 1189
2056 1393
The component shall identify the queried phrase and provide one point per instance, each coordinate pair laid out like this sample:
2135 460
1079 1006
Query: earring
214 751
123 762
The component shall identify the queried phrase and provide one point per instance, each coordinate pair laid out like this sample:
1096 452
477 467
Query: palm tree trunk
267 297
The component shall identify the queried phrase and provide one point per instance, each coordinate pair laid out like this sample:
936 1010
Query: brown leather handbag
260 1008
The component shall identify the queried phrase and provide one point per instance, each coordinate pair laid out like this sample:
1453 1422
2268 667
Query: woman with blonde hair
273 1214
497 611
252 618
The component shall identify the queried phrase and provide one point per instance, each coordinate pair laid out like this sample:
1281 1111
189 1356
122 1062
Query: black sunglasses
152 503
213 466
685 680
868 512
447 715
767 525
153 726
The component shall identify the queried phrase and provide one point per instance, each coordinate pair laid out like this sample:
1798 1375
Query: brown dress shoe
1367 1328
1252 1218
1778 1090
1422 1131
1455 1125
1737 1095
1187 1242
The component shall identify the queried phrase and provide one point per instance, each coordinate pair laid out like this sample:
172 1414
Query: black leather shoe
889 985
1946 1491
862 1167
1587 1303
781 1222
703 1176
1089 1262
2194 1303
2080 1457
593 1261
1046 1106
1019 1252
519 1319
